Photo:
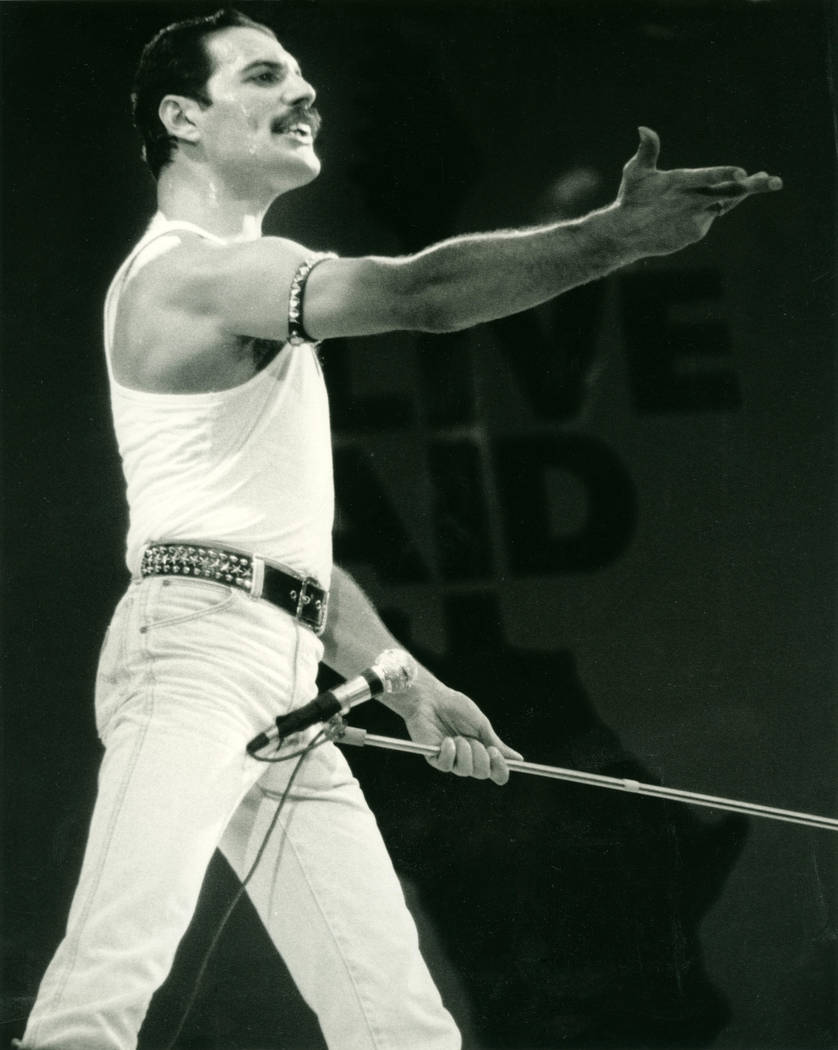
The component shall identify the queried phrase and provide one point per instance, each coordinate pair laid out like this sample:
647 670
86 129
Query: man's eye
267 77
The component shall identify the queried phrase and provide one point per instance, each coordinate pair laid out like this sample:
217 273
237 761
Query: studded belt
302 598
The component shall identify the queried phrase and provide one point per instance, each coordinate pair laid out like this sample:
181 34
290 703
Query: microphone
393 671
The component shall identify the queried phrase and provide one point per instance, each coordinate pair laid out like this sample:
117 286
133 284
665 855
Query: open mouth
302 132
303 129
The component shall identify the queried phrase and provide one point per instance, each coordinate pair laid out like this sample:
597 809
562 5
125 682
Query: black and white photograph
419 525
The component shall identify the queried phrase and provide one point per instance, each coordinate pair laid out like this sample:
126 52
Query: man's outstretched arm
433 713
476 278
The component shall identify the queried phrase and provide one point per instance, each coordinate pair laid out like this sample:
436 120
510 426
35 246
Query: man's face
259 132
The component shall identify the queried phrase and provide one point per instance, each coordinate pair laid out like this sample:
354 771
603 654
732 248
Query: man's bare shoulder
153 292
179 259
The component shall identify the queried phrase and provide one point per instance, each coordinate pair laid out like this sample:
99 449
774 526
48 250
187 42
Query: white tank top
249 467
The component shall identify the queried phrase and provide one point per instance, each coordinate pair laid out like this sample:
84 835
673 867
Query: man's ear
177 115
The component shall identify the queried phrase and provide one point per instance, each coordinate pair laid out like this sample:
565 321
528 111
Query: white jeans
189 672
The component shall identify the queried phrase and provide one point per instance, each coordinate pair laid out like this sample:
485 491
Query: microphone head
396 669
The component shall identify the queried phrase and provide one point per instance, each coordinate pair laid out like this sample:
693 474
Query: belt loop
258 580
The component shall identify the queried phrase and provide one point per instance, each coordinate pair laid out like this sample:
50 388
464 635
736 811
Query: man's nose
297 91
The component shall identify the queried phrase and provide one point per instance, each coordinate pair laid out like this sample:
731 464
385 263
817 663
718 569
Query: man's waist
259 577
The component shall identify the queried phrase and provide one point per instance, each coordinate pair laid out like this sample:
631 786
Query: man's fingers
691 178
498 770
483 757
649 148
476 760
481 763
762 182
444 760
464 762
469 757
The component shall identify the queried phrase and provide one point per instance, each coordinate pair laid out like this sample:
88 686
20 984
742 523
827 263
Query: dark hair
176 62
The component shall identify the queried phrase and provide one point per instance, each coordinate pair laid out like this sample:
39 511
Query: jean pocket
174 601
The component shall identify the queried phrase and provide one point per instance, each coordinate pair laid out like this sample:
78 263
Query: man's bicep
246 287
363 296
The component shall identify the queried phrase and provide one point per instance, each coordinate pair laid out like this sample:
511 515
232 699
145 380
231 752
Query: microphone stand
343 734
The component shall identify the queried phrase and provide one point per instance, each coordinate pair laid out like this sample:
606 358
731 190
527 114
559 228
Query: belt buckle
310 610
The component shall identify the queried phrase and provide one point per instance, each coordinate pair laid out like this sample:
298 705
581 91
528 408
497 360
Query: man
222 422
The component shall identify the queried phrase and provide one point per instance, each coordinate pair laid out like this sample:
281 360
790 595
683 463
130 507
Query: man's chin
305 170
314 166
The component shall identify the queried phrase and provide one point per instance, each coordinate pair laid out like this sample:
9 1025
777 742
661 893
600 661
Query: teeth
303 130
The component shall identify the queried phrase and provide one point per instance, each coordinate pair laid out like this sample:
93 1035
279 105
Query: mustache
299 114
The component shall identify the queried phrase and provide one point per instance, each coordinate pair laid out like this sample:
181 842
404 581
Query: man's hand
468 746
667 210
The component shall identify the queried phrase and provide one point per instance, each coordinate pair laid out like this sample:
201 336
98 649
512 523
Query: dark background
611 519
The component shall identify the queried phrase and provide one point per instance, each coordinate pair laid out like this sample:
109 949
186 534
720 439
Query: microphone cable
322 737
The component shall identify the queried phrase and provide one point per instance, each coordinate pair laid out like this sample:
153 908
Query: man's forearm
476 278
